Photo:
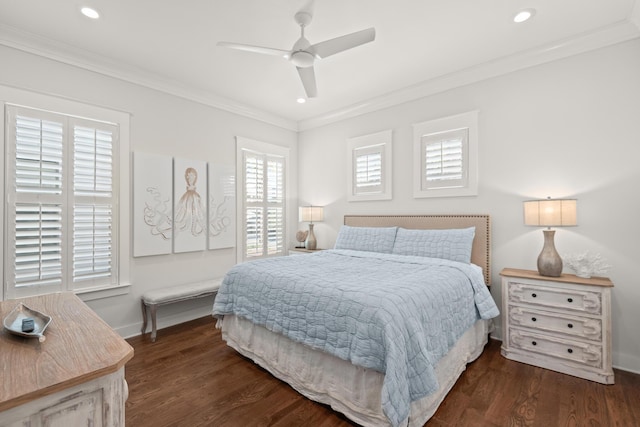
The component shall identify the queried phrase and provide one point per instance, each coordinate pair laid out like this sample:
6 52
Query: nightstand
303 251
558 323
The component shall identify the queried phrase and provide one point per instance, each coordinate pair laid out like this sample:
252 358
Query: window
445 157
62 187
369 167
263 188
61 227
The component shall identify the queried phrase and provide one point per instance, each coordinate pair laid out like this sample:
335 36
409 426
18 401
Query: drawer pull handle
569 351
534 295
570 299
533 319
534 343
570 325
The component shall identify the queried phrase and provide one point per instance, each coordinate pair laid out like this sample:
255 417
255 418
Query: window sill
445 192
103 292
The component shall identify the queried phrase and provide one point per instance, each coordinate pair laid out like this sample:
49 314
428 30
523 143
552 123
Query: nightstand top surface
565 278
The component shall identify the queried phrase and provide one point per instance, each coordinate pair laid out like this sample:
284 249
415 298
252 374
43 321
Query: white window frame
269 150
67 107
366 145
465 126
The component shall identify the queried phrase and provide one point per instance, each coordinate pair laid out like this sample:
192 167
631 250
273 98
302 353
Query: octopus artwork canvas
190 205
152 204
222 206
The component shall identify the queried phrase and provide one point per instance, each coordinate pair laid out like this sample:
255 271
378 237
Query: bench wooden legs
144 317
154 309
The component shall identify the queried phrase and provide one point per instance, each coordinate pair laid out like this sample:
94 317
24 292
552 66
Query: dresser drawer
554 347
574 326
558 298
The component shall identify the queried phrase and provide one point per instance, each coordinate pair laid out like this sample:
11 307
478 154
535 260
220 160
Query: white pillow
371 239
452 244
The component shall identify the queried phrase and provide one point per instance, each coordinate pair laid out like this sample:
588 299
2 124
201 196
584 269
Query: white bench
187 291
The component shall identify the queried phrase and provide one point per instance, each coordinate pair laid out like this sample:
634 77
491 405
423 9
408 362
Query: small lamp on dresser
550 213
310 214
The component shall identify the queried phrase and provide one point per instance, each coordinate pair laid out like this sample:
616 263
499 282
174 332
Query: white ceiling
420 44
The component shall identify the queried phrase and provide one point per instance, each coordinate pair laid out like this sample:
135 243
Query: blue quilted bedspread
392 313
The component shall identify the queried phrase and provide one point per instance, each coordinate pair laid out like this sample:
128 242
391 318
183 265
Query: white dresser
558 323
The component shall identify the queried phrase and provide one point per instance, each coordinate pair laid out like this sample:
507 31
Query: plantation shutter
93 204
93 162
445 159
254 195
264 204
35 183
275 206
38 245
38 155
368 163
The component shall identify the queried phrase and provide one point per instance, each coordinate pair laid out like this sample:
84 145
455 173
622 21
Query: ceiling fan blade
256 49
339 44
308 77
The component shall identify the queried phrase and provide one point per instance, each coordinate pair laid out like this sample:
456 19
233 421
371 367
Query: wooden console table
75 377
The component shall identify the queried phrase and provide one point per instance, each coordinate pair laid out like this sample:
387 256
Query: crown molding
60 52
605 36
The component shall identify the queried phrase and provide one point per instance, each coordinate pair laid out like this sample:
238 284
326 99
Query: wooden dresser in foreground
559 323
75 377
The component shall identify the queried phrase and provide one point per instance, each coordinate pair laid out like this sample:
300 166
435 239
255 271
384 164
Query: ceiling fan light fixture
90 13
301 100
524 15
302 59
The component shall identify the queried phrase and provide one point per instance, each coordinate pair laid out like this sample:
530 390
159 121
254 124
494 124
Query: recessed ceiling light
301 100
524 15
90 13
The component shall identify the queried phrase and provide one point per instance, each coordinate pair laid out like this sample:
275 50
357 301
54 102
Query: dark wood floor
189 377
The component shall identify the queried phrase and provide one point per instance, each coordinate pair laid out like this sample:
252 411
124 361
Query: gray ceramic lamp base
549 261
311 242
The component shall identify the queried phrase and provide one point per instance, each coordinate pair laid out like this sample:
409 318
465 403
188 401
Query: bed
380 327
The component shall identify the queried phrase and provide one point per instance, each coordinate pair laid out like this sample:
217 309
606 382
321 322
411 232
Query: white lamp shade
311 214
551 212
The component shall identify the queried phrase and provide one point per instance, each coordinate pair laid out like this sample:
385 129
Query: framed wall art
190 205
152 204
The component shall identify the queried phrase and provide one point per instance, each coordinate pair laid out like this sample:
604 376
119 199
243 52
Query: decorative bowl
13 322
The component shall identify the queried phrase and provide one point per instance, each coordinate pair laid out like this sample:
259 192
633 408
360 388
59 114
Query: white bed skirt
349 389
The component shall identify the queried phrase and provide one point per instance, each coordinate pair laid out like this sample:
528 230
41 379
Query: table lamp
310 214
550 213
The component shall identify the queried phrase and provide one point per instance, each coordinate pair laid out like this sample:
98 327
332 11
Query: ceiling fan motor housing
301 55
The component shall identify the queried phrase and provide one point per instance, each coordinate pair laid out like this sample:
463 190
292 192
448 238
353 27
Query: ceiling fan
303 54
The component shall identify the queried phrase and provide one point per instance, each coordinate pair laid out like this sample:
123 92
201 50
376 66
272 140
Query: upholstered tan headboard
480 252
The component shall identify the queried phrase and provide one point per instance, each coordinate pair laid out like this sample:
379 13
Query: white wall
161 124
567 128
563 129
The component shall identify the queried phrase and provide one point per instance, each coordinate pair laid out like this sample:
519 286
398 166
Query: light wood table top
565 278
79 347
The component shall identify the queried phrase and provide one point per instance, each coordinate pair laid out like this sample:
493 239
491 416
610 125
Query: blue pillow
452 244
371 239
